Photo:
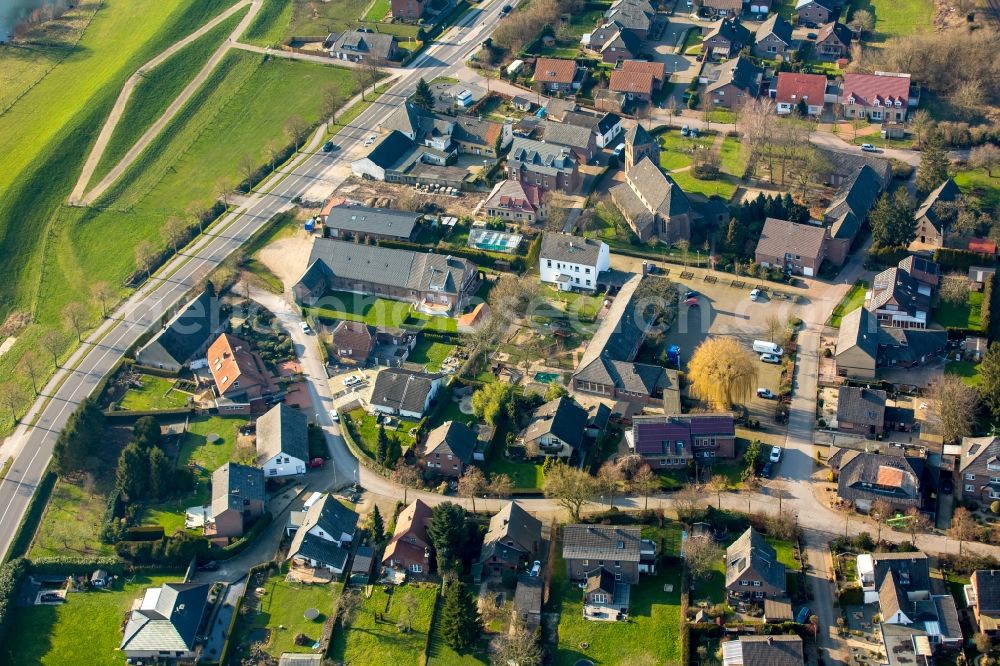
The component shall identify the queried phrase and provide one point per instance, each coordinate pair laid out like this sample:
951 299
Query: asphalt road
32 444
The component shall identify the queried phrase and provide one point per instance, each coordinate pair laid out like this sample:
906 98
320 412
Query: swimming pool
546 377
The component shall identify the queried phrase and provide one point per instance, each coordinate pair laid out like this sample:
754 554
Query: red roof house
793 88
878 97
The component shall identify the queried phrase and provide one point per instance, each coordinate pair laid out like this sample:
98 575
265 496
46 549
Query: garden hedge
481 258
11 575
991 296
963 259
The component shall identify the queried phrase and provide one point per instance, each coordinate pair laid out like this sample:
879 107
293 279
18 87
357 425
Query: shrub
961 259
11 575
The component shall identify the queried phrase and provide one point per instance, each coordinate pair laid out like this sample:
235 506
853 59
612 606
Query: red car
692 302
316 463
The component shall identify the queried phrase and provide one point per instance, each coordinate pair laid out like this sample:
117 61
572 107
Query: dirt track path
80 195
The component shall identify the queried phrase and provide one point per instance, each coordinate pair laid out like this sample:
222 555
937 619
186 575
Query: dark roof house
751 558
402 390
167 620
282 430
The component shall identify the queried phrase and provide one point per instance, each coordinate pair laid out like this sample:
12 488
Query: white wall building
570 262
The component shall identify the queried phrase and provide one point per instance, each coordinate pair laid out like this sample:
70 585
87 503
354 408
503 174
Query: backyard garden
375 311
400 636
282 613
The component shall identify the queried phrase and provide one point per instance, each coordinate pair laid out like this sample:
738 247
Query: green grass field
439 653
71 525
377 311
851 301
977 184
367 430
84 631
651 634
366 641
205 457
377 11
156 393
675 150
966 370
282 608
961 315
722 187
157 89
896 19
431 354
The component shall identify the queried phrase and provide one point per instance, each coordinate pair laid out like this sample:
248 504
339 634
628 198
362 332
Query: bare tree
609 480
701 554
916 522
955 288
570 488
248 167
224 190
331 102
773 325
296 129
12 395
102 293
173 231
53 342
407 610
861 22
145 254
718 484
406 476
956 406
75 316
471 484
271 150
963 527
986 156
881 511
644 482
921 124
687 504
501 485
31 365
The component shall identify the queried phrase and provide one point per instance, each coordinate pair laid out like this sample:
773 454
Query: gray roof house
791 246
581 140
864 477
282 441
547 165
321 541
356 46
861 411
556 429
653 204
449 448
607 366
858 345
932 220
166 621
621 550
775 650
404 392
841 167
237 498
738 81
514 538
752 568
187 333
773 37
434 283
368 224
572 262
849 209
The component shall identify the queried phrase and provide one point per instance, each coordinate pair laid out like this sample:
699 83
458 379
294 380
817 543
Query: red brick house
833 41
409 549
408 10
812 13
353 341
790 246
794 88
556 75
877 97
668 442
448 449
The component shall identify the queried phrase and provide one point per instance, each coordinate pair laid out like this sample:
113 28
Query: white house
570 262
282 442
324 537
403 392
608 130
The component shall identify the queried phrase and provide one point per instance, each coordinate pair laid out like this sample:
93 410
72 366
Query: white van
763 347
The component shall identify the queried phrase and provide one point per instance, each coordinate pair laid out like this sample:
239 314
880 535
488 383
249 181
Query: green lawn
723 116
157 89
691 39
968 371
71 525
979 185
367 430
651 634
282 611
431 354
582 304
961 315
84 631
156 393
377 11
721 187
733 162
896 18
366 641
204 457
854 299
439 653
377 311
675 150
711 587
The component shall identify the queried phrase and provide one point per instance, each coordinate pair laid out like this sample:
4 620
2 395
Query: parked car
328 146
811 35
316 463
619 149
335 416
305 328
692 302
770 358
351 381
755 295
694 132
690 294
370 140
685 131
209 566
536 568
803 615
765 393
775 456
506 9
767 470
868 148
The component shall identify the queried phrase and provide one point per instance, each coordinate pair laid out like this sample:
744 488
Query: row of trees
572 488
748 219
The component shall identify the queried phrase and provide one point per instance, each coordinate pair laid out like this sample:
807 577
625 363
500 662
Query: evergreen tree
423 96
146 432
933 169
460 620
447 534
79 437
892 221
382 448
161 473
989 373
376 525
394 452
131 476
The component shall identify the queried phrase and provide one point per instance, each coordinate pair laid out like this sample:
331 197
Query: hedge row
11 575
887 256
69 566
32 517
990 324
963 259
481 258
